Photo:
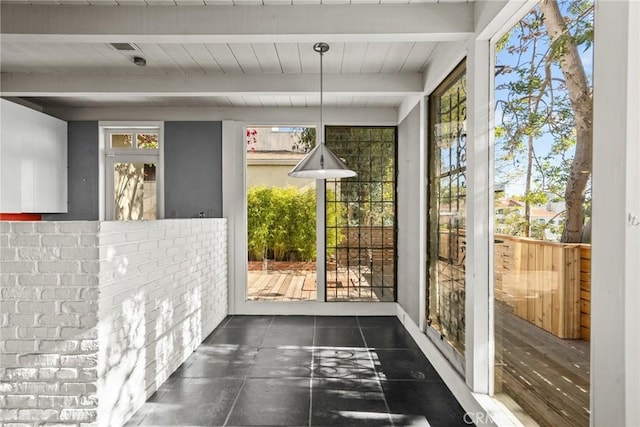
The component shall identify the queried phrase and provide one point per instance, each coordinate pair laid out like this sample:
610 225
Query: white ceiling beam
256 116
237 24
32 84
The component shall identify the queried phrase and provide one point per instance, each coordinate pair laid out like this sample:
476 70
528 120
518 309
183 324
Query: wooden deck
281 285
547 376
291 284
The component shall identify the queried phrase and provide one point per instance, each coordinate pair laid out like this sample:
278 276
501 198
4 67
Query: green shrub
282 223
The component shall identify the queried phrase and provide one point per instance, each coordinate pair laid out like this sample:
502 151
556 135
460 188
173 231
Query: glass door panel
281 216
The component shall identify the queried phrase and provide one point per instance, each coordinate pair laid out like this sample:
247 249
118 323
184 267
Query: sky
515 186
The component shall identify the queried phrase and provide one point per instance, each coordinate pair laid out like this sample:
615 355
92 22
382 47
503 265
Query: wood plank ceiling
189 58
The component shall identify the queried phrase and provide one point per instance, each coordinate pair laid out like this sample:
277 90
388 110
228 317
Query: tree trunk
581 101
527 189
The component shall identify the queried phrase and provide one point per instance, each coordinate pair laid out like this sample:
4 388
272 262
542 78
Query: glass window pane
134 191
447 210
542 220
363 268
121 140
147 140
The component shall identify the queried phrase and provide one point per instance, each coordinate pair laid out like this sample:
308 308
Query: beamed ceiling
231 53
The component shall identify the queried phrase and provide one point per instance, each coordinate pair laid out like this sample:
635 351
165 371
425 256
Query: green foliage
513 223
536 198
503 42
147 140
259 221
371 153
535 124
304 141
282 223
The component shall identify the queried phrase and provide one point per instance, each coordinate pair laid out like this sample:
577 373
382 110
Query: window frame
452 353
110 156
133 151
394 226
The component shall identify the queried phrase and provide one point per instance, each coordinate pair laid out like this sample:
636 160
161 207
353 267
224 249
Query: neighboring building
270 157
507 209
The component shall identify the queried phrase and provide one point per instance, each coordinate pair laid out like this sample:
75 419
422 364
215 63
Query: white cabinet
33 161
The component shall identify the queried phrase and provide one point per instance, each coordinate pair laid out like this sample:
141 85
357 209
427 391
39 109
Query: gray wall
409 214
82 153
192 169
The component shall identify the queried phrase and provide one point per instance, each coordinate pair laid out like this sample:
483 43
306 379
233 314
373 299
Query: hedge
282 223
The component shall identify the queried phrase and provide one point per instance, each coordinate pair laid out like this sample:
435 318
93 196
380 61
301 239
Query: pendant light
321 163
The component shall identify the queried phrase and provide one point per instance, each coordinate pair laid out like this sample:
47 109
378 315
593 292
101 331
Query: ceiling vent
123 46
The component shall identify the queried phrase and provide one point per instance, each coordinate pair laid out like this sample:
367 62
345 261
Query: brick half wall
96 315
49 306
163 289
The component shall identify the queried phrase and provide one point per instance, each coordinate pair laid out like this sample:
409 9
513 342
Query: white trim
491 353
234 209
422 216
477 284
445 58
321 231
160 173
615 339
209 85
632 248
258 116
133 124
102 159
107 155
508 16
407 106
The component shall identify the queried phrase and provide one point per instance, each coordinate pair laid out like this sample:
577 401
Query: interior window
133 161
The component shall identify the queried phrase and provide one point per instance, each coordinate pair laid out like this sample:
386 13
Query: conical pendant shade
321 163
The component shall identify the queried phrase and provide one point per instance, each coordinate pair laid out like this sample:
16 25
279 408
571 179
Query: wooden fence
541 281
546 283
366 245
585 292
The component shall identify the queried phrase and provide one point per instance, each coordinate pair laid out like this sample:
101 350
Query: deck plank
546 375
300 285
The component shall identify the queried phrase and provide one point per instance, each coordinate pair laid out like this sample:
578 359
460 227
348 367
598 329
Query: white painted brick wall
95 316
48 296
163 289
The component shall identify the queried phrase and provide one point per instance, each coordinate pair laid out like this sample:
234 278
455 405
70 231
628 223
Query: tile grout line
377 377
233 405
312 367
244 380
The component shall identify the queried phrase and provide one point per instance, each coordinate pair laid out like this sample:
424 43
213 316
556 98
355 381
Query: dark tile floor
304 371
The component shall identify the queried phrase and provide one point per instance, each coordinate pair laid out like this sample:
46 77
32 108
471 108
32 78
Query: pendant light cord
321 99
